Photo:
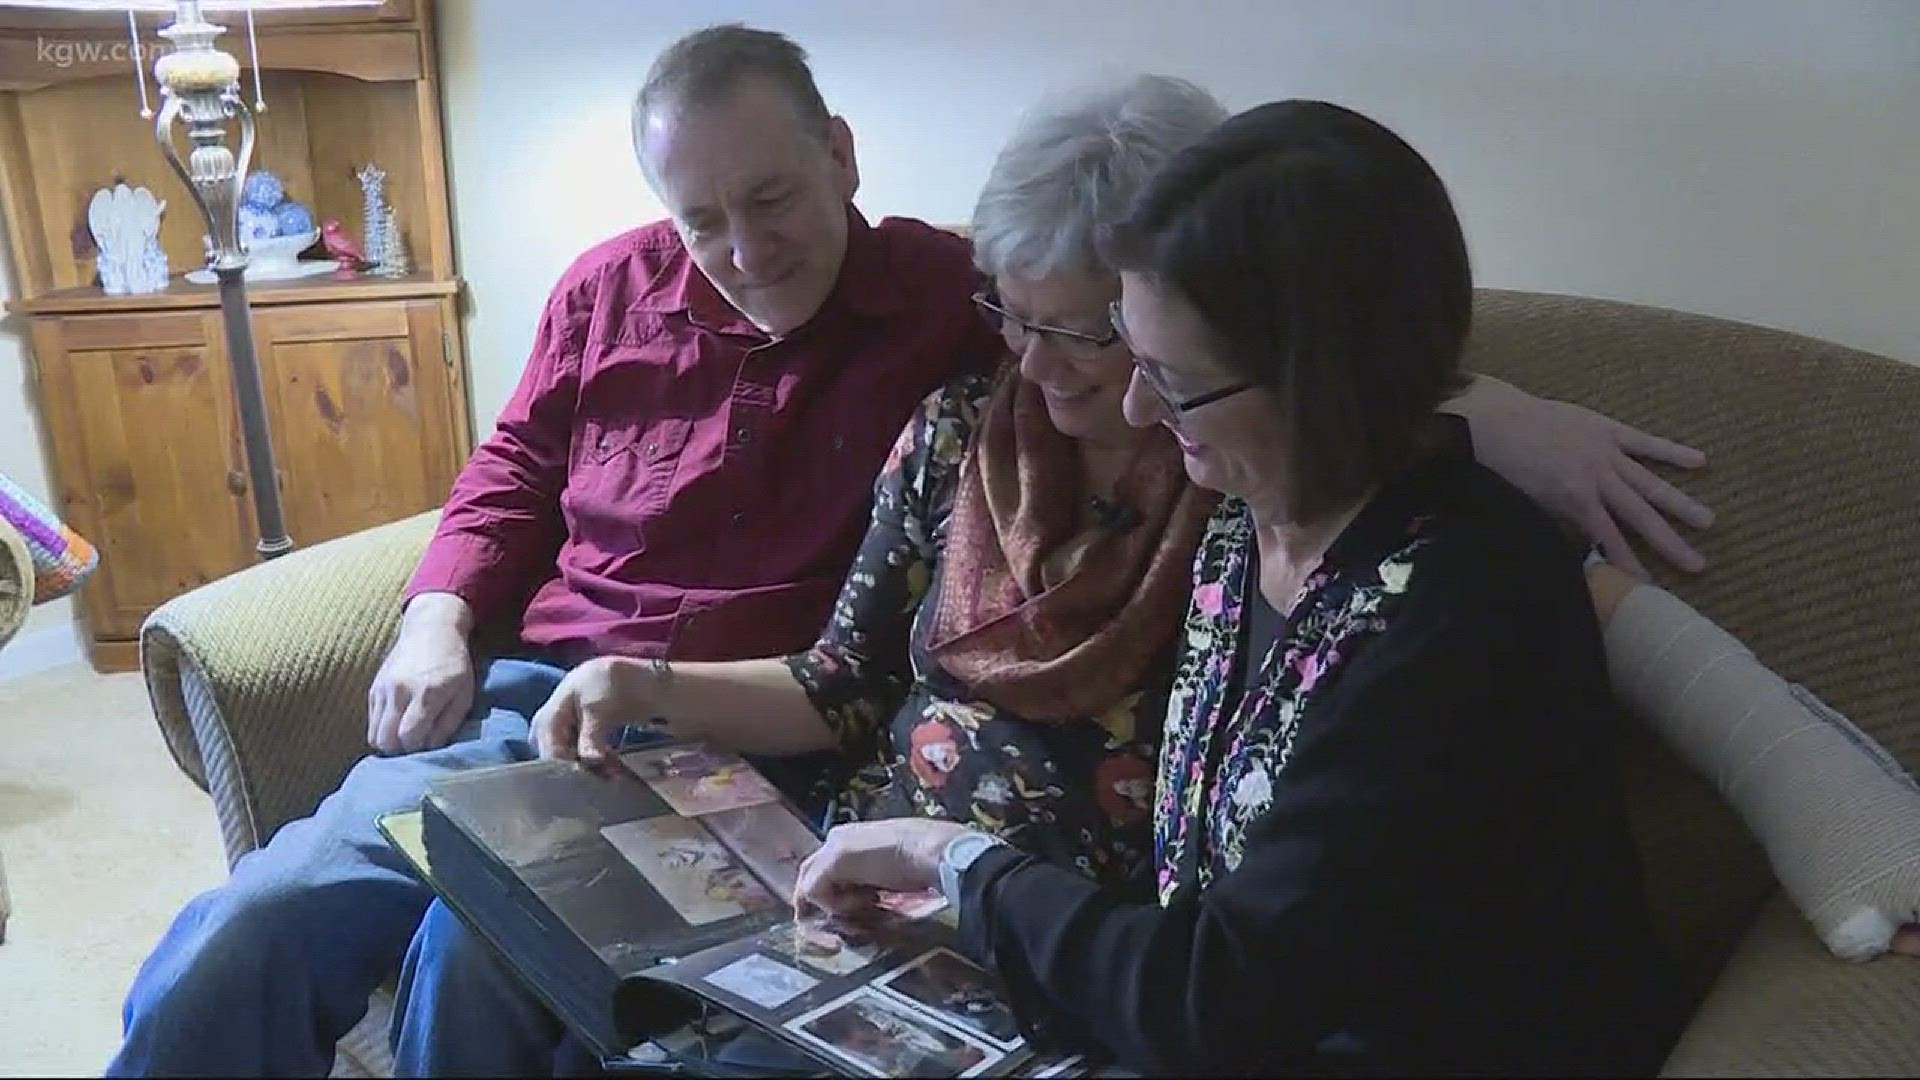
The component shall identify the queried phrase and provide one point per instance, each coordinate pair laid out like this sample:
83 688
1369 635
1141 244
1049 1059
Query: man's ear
846 170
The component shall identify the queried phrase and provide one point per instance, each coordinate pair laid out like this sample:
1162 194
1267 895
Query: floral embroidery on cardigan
1221 759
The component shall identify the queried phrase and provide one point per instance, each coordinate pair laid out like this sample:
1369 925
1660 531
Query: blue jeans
462 1011
262 975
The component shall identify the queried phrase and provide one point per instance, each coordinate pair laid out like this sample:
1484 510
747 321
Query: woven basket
16 581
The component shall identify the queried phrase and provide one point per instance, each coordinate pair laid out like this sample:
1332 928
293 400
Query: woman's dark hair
1324 256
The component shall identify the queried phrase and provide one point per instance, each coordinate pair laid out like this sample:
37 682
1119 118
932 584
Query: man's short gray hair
708 64
1074 166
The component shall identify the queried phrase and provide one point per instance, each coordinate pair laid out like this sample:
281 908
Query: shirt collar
867 286
1386 523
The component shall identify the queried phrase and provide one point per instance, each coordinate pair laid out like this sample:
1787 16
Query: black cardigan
1443 881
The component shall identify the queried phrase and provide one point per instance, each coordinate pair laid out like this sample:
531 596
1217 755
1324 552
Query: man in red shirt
684 471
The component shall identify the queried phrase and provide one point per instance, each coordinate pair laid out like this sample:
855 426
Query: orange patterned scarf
1028 622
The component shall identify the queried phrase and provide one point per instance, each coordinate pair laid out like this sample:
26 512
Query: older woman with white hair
1001 651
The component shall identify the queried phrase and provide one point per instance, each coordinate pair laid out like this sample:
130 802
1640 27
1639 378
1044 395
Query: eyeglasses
1150 374
1015 331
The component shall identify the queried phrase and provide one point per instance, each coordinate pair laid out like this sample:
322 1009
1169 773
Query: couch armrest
259 680
1785 1007
16 581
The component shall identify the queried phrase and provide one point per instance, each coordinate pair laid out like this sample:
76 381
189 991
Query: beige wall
21 459
1757 159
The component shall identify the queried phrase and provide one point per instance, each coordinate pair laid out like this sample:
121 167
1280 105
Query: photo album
639 900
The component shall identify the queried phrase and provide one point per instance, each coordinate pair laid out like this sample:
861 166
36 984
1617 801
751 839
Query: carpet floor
103 840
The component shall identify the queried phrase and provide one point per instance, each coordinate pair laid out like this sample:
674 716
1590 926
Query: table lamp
200 91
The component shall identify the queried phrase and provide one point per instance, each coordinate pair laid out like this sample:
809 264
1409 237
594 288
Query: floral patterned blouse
1078 794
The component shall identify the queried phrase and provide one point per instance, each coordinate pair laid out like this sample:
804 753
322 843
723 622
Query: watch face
964 846
961 853
968 847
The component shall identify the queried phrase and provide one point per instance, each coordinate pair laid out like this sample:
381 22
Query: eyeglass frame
988 304
1143 365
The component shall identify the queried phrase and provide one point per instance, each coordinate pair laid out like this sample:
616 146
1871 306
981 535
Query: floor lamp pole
201 85
247 393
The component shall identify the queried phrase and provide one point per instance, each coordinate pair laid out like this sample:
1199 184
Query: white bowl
278 253
276 258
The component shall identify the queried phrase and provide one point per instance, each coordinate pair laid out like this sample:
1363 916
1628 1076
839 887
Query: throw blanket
62 559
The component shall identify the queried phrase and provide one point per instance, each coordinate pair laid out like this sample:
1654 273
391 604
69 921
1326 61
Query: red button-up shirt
668 480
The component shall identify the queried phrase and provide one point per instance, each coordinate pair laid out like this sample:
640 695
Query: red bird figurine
345 251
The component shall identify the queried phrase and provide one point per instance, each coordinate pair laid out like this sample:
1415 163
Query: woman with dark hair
1388 831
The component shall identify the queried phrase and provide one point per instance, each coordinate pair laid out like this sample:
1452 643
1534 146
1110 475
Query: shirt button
839 442
605 441
738 517
742 436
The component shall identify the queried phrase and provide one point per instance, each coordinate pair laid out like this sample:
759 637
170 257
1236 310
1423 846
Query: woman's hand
1906 941
860 860
587 710
1609 586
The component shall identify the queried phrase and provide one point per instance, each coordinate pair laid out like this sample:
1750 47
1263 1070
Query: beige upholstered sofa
259 680
16 599
16 581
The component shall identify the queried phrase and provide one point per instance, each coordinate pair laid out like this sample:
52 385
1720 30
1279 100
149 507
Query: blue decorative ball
263 190
257 224
294 219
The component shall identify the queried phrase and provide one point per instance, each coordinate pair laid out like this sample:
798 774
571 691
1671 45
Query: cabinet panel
146 452
358 398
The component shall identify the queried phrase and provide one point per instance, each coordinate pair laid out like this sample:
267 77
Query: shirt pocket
622 477
614 456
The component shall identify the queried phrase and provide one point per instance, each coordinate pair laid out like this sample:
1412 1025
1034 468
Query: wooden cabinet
267 13
367 399
366 406
365 379
140 411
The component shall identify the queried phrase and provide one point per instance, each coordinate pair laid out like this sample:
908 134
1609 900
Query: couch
16 600
16 581
259 680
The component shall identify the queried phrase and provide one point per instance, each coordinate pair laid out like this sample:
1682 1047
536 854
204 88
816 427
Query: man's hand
1581 466
424 688
582 719
859 861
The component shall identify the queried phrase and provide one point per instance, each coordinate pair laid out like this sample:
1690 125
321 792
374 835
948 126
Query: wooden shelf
364 381
182 295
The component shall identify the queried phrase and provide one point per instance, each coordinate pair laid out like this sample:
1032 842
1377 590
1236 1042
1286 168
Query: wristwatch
960 853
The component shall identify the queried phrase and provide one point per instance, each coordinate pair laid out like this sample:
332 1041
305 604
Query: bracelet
662 672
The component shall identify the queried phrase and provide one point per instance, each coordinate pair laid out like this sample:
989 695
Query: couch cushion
365 1052
1784 1007
1812 454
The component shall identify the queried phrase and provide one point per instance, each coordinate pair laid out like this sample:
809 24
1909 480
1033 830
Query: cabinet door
359 397
146 451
